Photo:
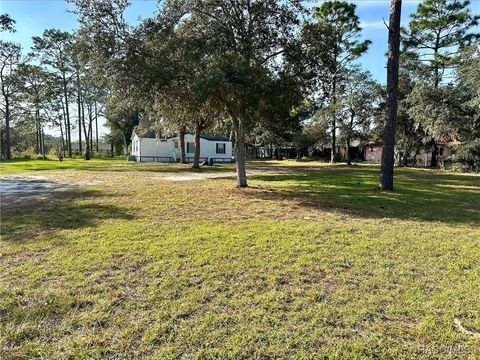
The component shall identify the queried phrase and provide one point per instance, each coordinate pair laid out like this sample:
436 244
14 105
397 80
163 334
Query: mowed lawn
156 261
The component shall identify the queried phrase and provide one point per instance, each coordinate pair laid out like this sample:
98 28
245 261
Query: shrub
466 157
25 154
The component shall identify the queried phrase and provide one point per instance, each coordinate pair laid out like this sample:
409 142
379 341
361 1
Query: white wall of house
208 148
167 150
154 150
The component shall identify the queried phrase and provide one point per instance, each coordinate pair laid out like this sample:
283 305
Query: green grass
16 166
112 164
310 262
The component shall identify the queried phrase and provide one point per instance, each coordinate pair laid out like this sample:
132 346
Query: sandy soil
18 188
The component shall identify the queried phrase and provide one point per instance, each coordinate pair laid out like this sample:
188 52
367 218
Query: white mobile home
149 148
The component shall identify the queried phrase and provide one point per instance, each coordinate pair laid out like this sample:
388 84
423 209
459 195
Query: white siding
146 149
208 148
157 150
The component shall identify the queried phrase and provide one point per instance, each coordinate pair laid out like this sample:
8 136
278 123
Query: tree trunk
434 161
86 133
334 121
8 151
240 156
90 135
37 137
79 105
96 125
90 130
125 145
64 137
347 151
232 139
44 156
183 158
82 102
63 142
39 132
196 158
388 151
67 113
436 81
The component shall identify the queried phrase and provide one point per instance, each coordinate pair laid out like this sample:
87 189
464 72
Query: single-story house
149 148
373 152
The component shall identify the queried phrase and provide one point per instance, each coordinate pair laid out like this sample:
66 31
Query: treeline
48 87
269 72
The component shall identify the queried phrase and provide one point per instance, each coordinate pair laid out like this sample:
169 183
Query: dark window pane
220 148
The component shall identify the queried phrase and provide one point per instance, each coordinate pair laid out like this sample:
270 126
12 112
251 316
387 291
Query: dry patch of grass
310 262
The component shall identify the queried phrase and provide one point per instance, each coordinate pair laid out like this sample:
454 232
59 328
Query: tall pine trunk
388 151
347 151
67 113
96 126
90 129
44 155
436 81
196 157
37 137
86 133
240 154
333 153
8 152
63 140
183 158
64 137
79 106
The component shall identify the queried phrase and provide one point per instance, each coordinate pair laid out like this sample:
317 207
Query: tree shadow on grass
419 194
171 168
58 210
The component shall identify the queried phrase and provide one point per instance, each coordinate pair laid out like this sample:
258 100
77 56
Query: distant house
149 148
373 152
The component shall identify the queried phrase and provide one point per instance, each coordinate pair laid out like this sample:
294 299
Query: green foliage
436 49
54 48
331 43
437 28
359 104
467 156
7 23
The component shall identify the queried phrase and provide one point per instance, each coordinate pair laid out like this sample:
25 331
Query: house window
175 144
190 147
441 151
220 148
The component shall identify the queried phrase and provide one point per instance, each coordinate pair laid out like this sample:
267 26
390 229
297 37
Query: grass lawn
311 261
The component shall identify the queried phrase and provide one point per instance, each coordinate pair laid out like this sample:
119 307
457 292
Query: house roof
215 137
151 134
